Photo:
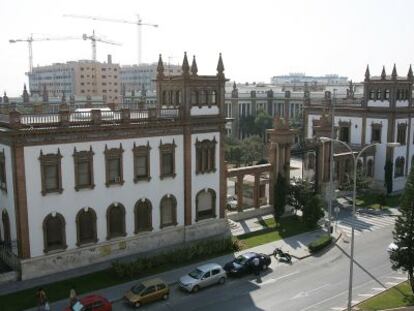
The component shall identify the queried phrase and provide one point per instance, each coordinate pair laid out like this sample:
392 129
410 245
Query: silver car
203 276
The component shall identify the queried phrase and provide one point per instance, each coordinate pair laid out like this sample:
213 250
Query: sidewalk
295 245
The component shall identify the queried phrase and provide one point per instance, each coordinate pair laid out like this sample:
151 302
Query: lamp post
355 158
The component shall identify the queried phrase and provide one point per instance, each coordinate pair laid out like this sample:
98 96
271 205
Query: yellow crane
31 39
138 23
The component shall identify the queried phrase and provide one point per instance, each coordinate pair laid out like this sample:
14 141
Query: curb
324 249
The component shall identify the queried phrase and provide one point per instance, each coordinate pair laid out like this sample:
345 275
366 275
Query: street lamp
355 158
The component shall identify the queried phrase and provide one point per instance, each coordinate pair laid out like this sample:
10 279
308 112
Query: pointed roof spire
234 85
25 94
185 67
220 67
383 74
367 75
160 68
235 91
5 98
194 68
410 73
394 72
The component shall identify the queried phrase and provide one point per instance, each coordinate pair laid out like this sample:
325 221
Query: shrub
199 250
320 243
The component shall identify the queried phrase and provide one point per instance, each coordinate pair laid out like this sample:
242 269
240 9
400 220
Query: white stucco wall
401 103
311 117
378 103
70 201
7 198
204 110
356 127
380 152
208 180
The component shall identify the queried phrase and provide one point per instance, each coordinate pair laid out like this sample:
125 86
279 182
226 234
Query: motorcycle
282 256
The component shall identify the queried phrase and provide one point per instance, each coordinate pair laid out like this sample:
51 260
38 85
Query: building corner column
20 202
187 176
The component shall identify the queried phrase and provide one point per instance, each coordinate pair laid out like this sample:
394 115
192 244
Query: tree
252 149
263 121
280 194
388 176
300 191
247 126
403 256
313 211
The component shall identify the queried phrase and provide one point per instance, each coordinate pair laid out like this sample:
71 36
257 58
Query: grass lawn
370 200
273 231
398 296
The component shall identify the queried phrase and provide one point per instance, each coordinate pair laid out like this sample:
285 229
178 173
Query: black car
243 263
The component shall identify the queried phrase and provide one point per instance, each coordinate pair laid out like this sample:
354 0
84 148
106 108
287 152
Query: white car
392 247
203 276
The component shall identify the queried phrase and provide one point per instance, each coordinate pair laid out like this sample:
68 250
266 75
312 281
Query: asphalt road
313 284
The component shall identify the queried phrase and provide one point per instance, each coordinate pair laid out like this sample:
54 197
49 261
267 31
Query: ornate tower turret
25 95
160 68
185 67
383 74
220 68
367 75
194 68
394 73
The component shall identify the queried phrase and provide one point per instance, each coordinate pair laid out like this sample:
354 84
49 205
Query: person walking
73 297
256 269
42 302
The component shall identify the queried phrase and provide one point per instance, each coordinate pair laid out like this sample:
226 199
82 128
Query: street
317 283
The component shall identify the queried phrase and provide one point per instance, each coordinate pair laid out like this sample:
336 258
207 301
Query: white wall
7 198
204 110
70 201
356 127
380 152
208 180
378 103
311 117
401 103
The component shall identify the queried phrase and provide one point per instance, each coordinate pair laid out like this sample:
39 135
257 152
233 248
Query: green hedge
199 250
320 243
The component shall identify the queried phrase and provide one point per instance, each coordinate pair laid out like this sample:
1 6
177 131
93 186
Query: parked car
91 303
231 202
243 263
147 291
203 276
392 247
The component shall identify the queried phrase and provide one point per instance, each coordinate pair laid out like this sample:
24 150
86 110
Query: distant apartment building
78 78
137 77
296 81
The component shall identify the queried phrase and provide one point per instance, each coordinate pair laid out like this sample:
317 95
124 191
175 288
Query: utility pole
331 162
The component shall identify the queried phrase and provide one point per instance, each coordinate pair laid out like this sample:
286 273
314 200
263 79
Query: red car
92 303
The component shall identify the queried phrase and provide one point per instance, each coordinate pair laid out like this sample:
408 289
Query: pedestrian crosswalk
364 223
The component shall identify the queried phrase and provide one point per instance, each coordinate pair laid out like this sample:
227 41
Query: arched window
168 211
86 226
54 234
6 228
143 216
214 97
399 167
370 168
205 204
115 217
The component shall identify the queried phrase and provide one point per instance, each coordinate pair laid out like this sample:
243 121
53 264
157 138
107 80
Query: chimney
109 59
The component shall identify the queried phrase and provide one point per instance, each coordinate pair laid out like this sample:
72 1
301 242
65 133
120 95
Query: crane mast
138 23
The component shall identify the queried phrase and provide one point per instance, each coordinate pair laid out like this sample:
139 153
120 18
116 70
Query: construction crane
95 39
138 22
30 40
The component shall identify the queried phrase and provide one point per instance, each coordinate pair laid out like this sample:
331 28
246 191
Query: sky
257 39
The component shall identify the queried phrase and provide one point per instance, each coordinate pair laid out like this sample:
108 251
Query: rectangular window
401 133
167 159
50 170
205 156
83 161
114 166
344 134
376 134
141 162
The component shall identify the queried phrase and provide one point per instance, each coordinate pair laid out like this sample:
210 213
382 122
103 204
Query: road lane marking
365 295
379 289
338 308
398 278
268 281
391 283
306 293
